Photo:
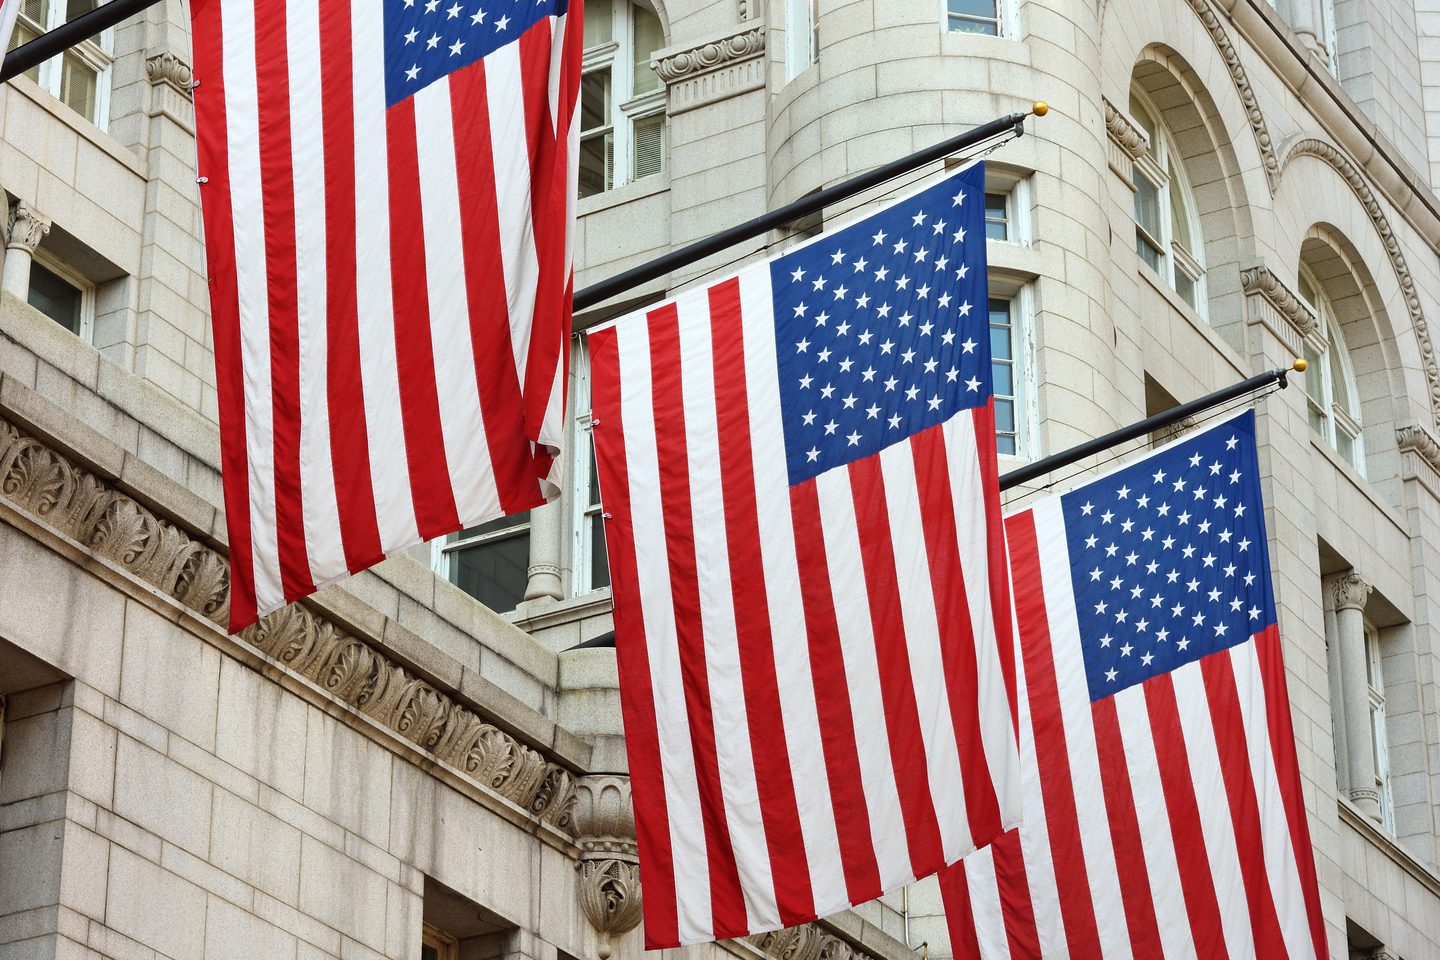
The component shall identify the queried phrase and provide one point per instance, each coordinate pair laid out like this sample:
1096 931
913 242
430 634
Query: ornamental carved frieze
714 70
1123 131
809 941
47 485
169 69
1417 440
609 866
1262 282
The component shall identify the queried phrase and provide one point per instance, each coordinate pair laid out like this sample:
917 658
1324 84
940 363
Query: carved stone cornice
47 485
604 824
169 69
1357 183
1414 438
28 227
1123 131
1262 282
1348 591
808 941
714 70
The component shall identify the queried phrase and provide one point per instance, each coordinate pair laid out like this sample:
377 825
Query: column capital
1348 591
27 228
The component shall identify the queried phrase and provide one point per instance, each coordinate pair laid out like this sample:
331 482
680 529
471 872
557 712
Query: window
435 945
622 100
997 216
973 16
802 27
1166 223
1332 397
490 562
1330 36
80 76
1375 688
1009 353
62 296
590 568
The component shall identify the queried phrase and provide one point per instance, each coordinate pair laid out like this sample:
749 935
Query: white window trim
1005 24
582 545
1016 190
1335 417
98 53
1329 34
1021 295
87 291
1379 733
444 549
1175 257
802 44
623 113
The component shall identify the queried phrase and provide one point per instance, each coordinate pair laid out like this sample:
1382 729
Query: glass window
57 298
997 216
491 562
590 568
80 77
1380 741
1167 236
802 25
1330 392
622 99
1007 374
973 16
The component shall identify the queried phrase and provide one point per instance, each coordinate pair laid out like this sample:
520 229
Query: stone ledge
1388 845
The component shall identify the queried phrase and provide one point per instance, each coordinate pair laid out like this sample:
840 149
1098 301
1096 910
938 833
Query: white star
1101 607
879 238
840 292
868 373
1195 460
942 263
959 235
968 346
430 7
886 347
843 328
1162 635
965 309
883 310
959 199
1184 642
1168 542
925 328
1179 484
1142 625
1220 629
1107 516
809 418
1230 444
1145 660
830 428
812 454
860 265
1127 525
1235 605
864 301
479 17
802 346
456 47
1249 579
1208 559
964 269
502 23
1105 640
1159 476
453 12
1123 493
433 42
1144 500
1254 613
798 275
923 292
902 283
865 338
919 218
921 254
882 273
1087 509
837 256
854 440
911 393
849 401
1163 509
1110 675
900 245
895 422
1110 550
818 283
1091 540
951 374
934 403
1214 595
931 364
805 382
872 412
948 337
410 37
905 318
1125 650
823 356
413 72
972 385
846 364
1116 583
890 384
826 391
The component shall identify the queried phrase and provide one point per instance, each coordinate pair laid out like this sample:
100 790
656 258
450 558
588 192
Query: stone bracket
1125 142
725 66
1273 305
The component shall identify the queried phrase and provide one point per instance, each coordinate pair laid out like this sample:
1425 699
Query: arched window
1167 230
622 100
1329 381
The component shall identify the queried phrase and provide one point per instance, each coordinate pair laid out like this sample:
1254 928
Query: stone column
1337 696
609 862
27 228
546 532
1304 18
1348 594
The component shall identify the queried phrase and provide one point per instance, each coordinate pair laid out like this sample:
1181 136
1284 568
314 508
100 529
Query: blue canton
1168 558
882 329
426 40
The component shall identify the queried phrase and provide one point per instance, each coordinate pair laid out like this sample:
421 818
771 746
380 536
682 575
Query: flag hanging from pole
1163 806
798 464
388 192
9 10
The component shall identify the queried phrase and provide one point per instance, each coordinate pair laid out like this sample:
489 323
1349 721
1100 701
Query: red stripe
729 918
1180 802
957 636
1219 677
214 163
779 809
495 375
430 489
1287 769
998 556
1125 831
959 912
1051 750
902 713
1012 880
832 700
277 189
345 387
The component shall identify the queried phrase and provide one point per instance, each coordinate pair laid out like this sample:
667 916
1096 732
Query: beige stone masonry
715 69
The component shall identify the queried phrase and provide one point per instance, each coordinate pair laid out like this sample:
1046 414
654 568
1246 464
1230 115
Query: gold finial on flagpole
1039 108
1300 365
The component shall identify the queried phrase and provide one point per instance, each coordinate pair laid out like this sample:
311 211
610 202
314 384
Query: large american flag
388 192
798 465
1163 807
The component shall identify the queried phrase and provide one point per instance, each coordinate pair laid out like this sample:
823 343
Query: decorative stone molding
1205 10
169 69
1132 140
1357 182
80 504
1349 591
27 228
1414 438
806 942
715 70
1274 305
604 823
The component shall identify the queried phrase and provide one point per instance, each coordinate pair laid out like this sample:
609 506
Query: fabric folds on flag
798 465
1162 796
388 190
9 10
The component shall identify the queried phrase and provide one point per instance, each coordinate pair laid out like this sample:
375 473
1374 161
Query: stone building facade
417 763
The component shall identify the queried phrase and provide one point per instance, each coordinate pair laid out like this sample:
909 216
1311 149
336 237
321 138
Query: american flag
798 465
1163 806
388 189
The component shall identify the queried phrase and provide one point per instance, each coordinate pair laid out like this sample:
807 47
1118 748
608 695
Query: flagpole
62 38
1013 123
1077 453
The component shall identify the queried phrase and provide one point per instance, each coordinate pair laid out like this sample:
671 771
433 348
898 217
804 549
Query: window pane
997 220
1005 416
1147 122
1185 287
999 338
1148 251
648 38
78 8
595 100
599 562
24 34
974 16
1345 446
428 952
77 86
1147 204
52 296
1179 219
973 8
493 526
649 146
37 12
592 497
597 163
1343 400
493 572
598 24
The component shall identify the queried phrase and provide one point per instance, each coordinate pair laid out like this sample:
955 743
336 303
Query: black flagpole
1090 447
69 34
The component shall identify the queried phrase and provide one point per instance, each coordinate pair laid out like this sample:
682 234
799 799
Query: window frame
97 53
445 946
802 36
626 107
1155 167
1015 188
445 550
68 274
1020 295
1003 26
1328 342
1379 731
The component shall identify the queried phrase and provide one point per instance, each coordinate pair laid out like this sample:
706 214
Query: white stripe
1156 839
1280 864
323 544
862 673
1074 703
922 644
472 476
971 525
510 144
682 792
782 589
389 468
986 907
717 616
1201 751
242 133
